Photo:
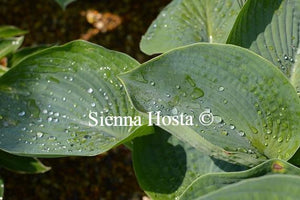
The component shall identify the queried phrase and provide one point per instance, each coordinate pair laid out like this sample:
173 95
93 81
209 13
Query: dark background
109 176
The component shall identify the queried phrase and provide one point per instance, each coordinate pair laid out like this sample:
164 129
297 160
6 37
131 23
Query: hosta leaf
266 187
9 45
255 108
10 31
8 40
166 166
47 98
21 164
212 182
64 3
274 33
185 22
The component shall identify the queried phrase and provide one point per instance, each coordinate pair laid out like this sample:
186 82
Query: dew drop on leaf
21 114
39 134
197 93
90 90
241 133
174 111
231 126
152 83
221 89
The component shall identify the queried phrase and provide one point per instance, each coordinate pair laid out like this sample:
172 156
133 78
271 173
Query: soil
109 176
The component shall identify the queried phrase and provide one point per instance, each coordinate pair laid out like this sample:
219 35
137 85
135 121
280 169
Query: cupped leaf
239 101
21 164
214 181
51 102
11 31
273 33
266 187
64 3
166 166
185 22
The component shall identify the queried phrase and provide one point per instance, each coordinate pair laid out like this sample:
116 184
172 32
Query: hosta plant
223 99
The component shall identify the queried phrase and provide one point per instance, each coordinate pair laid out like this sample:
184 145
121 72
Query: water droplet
49 119
241 133
39 134
51 138
90 90
254 130
190 81
21 114
64 99
218 119
266 144
93 104
174 111
197 93
269 131
285 57
165 25
152 83
231 126
280 139
221 89
178 86
224 133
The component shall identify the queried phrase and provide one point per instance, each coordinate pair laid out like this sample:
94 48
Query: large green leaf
185 22
47 98
214 181
266 187
271 29
64 3
21 164
255 108
166 166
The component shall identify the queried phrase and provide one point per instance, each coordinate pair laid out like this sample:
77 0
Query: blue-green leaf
47 99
